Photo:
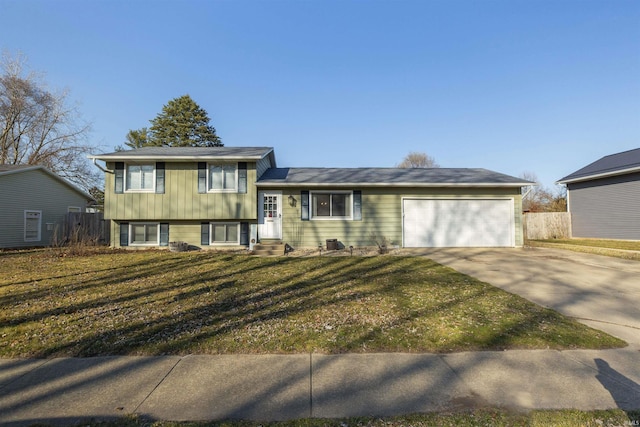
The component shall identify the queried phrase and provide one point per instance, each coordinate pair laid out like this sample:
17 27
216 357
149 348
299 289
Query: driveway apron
602 292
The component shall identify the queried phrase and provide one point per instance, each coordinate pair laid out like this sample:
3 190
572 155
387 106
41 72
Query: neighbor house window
225 233
144 234
223 177
140 177
32 226
334 205
74 209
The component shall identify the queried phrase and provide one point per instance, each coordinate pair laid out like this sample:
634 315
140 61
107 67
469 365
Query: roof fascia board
175 158
110 157
599 175
19 170
386 184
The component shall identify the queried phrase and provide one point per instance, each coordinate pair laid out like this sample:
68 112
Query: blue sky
512 86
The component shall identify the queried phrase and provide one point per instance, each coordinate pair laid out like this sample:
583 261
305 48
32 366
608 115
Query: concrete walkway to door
602 292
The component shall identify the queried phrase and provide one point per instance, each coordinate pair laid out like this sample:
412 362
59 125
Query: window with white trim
140 177
144 234
225 233
74 209
32 226
223 177
331 205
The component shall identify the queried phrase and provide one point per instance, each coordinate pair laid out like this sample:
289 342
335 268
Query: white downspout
100 167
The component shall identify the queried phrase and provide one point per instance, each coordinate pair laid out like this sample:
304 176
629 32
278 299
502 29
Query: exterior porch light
292 201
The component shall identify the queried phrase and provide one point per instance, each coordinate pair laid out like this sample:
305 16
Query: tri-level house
235 196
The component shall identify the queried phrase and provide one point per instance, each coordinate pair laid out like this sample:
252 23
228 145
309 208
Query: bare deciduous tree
37 127
418 160
537 198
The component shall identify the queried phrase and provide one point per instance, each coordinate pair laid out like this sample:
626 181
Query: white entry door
270 215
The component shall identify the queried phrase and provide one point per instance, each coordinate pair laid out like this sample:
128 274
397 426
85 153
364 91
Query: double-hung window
331 205
32 226
225 233
144 234
223 177
140 177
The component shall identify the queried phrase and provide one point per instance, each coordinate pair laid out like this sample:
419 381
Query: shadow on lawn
164 303
204 296
213 285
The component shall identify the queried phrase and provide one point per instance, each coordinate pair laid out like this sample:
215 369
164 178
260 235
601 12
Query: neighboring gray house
604 197
33 201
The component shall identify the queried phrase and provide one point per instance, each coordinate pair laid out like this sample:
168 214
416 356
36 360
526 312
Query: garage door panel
458 223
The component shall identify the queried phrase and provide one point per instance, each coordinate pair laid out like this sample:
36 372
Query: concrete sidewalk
277 387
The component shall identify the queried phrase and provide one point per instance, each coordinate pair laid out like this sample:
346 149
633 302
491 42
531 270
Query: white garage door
458 223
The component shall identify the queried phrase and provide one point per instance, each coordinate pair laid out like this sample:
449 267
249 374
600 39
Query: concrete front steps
269 248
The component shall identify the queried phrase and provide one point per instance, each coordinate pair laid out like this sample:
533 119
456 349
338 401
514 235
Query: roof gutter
387 184
176 158
599 175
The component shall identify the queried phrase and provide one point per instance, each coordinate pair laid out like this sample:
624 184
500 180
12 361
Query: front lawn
159 302
615 248
494 417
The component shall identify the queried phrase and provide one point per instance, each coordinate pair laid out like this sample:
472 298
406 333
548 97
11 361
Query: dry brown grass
160 302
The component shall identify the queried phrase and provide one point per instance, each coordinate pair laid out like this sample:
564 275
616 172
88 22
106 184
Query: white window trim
126 174
74 209
24 235
214 243
331 218
229 190
131 242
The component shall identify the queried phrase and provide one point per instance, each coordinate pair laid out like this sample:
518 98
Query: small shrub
78 242
381 242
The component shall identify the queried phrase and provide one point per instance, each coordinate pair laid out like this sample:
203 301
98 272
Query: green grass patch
476 418
159 302
614 248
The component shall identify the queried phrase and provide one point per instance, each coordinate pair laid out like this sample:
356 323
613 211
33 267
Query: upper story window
333 205
140 177
223 177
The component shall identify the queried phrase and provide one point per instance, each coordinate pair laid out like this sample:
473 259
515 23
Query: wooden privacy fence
83 227
547 225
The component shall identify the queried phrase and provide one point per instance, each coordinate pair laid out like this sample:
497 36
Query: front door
270 215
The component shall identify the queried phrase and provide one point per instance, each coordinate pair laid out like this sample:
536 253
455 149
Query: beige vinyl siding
381 214
181 200
38 191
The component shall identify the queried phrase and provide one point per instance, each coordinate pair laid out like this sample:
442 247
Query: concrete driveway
602 292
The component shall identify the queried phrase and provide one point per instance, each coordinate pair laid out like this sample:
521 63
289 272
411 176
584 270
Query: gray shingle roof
387 177
187 153
614 164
